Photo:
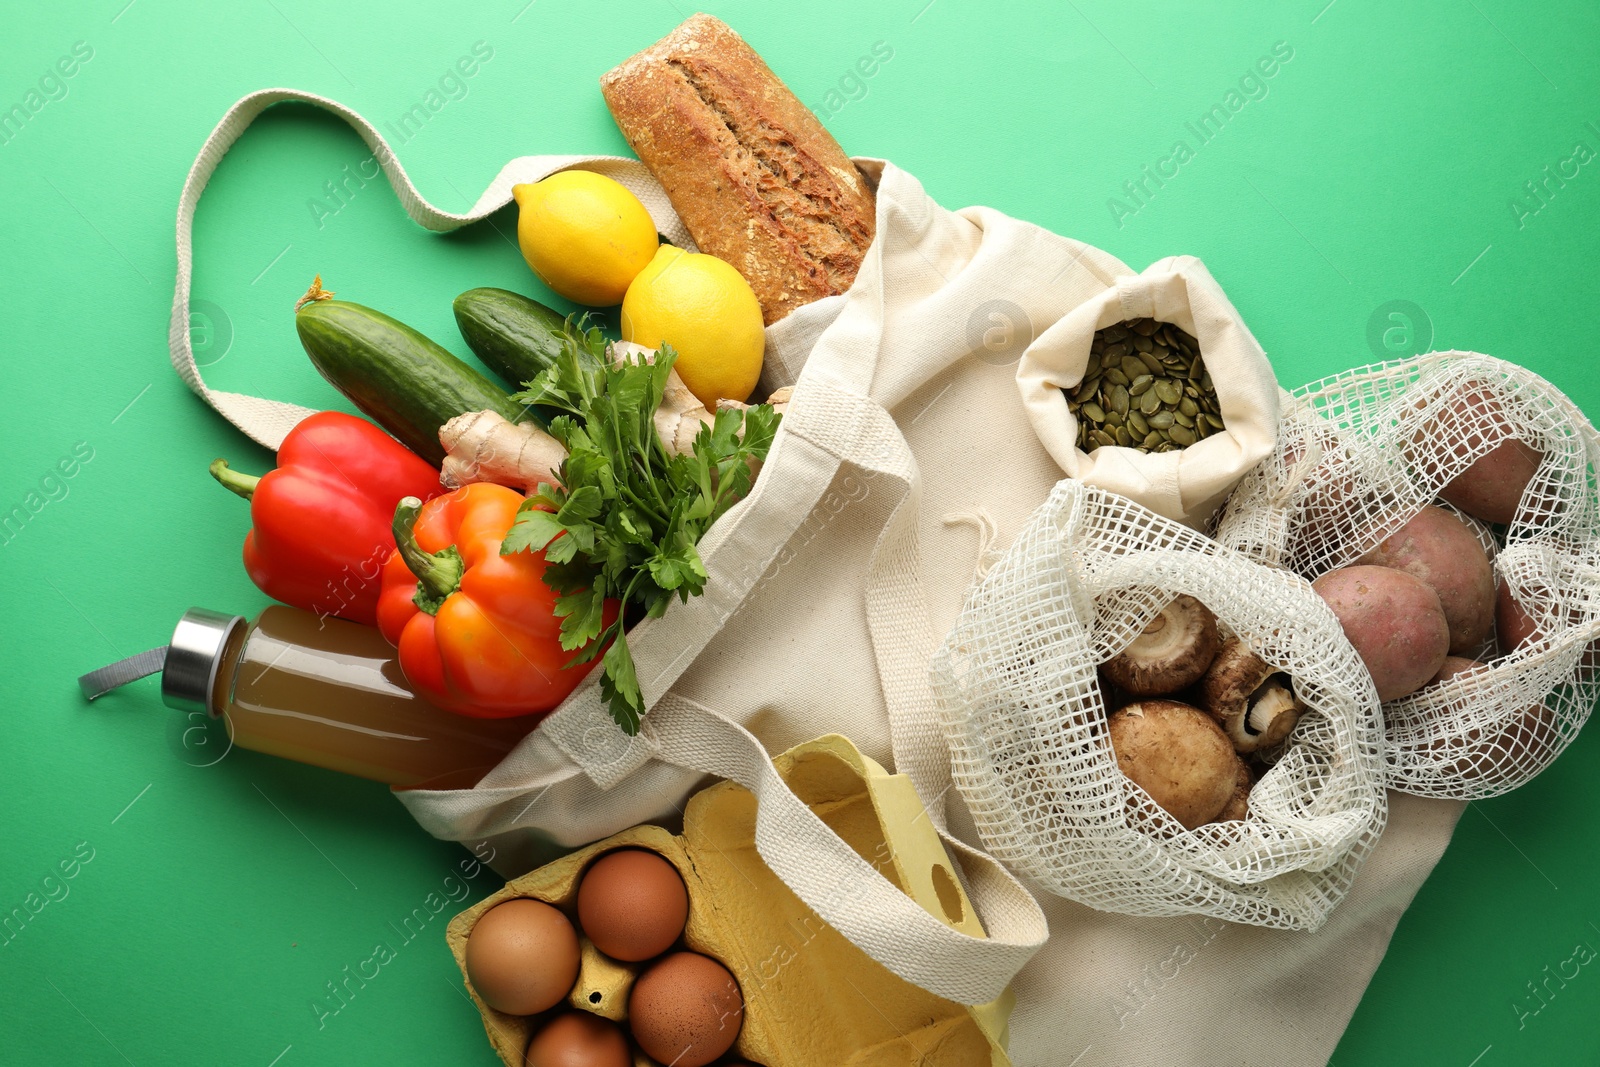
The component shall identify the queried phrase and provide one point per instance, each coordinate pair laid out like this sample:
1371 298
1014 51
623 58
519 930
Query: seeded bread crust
751 171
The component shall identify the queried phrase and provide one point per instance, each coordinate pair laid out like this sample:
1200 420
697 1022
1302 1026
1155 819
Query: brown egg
632 904
578 1039
522 956
686 1010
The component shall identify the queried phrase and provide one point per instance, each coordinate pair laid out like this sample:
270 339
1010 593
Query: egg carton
811 997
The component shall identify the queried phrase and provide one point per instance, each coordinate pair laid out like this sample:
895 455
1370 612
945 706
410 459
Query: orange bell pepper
477 631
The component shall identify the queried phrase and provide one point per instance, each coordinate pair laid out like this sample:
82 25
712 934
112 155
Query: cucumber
514 336
400 379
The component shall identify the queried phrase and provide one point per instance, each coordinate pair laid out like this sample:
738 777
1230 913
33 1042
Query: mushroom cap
1238 806
1250 699
1178 755
1171 653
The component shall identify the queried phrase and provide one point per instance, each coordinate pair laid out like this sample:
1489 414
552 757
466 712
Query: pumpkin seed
1144 386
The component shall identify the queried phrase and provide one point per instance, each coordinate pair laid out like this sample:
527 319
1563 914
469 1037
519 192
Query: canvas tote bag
904 464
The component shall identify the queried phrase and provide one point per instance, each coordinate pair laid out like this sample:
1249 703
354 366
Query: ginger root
778 401
680 416
483 446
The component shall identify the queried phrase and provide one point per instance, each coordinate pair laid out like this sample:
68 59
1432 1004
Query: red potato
1393 620
1444 553
1513 626
1454 665
1481 755
1491 488
1327 489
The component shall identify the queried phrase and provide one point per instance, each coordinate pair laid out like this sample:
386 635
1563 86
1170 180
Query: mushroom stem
1254 703
1271 704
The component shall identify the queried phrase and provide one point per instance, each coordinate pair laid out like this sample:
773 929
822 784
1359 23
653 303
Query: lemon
584 235
704 309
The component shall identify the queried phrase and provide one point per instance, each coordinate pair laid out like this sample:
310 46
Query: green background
1380 166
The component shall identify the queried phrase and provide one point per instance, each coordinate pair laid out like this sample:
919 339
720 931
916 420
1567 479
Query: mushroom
1238 806
1179 756
1253 702
1172 653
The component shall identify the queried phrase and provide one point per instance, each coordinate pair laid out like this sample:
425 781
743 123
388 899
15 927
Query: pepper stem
438 573
231 480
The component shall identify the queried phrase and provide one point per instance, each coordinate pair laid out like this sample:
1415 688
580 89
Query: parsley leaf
630 514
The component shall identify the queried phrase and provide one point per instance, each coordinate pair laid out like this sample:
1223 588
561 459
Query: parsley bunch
632 514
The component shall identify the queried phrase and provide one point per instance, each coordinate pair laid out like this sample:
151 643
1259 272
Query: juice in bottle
318 690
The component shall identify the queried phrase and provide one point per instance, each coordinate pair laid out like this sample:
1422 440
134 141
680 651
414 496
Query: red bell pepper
477 631
322 518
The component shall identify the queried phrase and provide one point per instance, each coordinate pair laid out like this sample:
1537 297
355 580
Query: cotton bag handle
825 872
268 421
846 890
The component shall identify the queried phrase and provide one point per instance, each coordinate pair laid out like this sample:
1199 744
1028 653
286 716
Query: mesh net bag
1023 711
1361 454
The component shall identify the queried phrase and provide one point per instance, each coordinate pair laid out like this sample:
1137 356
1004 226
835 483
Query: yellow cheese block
812 999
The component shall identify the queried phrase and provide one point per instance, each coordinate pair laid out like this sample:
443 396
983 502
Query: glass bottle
321 691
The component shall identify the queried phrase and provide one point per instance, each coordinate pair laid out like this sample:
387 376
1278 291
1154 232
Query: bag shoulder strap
268 421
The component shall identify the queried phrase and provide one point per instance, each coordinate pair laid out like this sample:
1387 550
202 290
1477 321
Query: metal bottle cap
188 665
193 658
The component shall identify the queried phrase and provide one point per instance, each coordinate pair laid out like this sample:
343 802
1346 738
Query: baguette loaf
751 171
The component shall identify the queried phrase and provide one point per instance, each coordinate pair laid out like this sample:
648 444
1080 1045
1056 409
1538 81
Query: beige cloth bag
904 462
1187 485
